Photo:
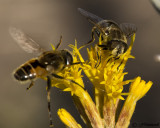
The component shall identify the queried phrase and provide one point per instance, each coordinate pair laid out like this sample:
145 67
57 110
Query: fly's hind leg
49 100
31 84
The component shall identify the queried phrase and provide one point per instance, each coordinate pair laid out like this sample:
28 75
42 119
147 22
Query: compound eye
67 57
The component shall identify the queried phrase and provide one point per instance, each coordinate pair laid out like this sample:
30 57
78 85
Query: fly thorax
53 62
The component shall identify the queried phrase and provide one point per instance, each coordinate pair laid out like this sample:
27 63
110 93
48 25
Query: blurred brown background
45 21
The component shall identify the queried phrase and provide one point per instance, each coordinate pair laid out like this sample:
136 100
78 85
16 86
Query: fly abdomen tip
16 76
21 75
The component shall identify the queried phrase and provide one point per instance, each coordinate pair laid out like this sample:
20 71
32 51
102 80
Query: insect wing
90 17
24 41
156 4
128 29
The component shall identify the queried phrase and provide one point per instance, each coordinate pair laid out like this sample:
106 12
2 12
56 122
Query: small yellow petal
125 94
134 84
138 89
94 72
145 89
96 77
53 47
67 90
103 82
67 119
130 56
120 97
133 37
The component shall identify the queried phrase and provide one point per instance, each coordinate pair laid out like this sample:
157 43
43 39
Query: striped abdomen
27 71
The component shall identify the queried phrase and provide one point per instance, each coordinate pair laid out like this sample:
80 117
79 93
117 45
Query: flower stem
109 112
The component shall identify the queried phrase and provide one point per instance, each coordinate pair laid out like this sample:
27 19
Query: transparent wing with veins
90 17
97 21
24 41
128 29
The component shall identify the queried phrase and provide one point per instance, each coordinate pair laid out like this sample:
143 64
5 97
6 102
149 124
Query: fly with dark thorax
47 64
114 36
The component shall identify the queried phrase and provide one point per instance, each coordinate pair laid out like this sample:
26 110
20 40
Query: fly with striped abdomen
47 64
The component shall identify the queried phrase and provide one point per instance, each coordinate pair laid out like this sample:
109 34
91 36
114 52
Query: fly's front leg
60 41
62 78
98 60
49 100
92 38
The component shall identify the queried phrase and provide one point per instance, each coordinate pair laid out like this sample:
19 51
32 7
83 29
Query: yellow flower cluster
107 76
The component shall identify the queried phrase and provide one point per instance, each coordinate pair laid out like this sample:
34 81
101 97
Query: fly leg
98 60
31 84
60 41
92 38
60 77
49 100
75 63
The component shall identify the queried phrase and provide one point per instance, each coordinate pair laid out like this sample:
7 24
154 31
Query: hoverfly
47 64
114 36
